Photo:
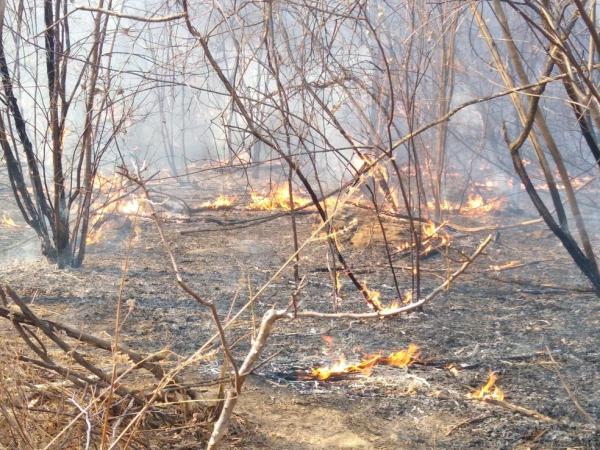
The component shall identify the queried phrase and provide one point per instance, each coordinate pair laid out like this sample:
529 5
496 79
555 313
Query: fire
431 233
106 217
489 391
477 205
374 296
407 298
131 207
473 206
7 221
279 198
94 237
221 202
364 368
402 358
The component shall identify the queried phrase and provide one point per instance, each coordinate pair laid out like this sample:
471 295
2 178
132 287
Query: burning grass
221 202
342 369
475 205
489 391
7 222
277 198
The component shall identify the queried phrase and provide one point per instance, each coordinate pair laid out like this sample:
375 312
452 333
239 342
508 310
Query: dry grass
40 408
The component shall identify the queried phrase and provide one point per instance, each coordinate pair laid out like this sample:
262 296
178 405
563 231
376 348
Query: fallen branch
406 308
522 410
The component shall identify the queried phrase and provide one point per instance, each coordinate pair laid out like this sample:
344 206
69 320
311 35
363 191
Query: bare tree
51 153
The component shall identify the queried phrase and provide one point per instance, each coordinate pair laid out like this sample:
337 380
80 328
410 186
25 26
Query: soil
535 325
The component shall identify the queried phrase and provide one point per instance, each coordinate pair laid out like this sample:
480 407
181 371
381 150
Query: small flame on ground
374 297
127 207
473 206
133 206
489 391
363 368
407 298
434 237
402 358
221 202
477 205
279 198
6 221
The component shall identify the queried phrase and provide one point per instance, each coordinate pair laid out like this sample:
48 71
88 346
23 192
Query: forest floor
536 325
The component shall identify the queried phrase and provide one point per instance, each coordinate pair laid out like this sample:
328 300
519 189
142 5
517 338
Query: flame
364 368
278 198
101 217
7 221
474 205
94 237
445 205
453 369
131 207
432 232
221 202
402 358
489 391
374 297
477 205
407 298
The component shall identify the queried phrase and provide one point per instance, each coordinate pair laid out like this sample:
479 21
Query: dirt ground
514 322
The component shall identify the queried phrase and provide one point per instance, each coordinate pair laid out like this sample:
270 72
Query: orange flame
364 368
374 297
489 391
221 202
431 233
279 198
402 358
134 206
474 205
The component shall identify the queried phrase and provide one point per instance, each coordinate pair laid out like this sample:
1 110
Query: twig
586 415
402 309
521 410
232 396
468 421
157 19
88 432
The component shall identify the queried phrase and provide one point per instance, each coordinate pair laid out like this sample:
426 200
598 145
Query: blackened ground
507 321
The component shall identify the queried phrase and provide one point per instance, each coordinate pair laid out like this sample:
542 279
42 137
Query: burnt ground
507 321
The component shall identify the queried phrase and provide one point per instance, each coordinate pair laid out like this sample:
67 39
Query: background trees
65 103
373 91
